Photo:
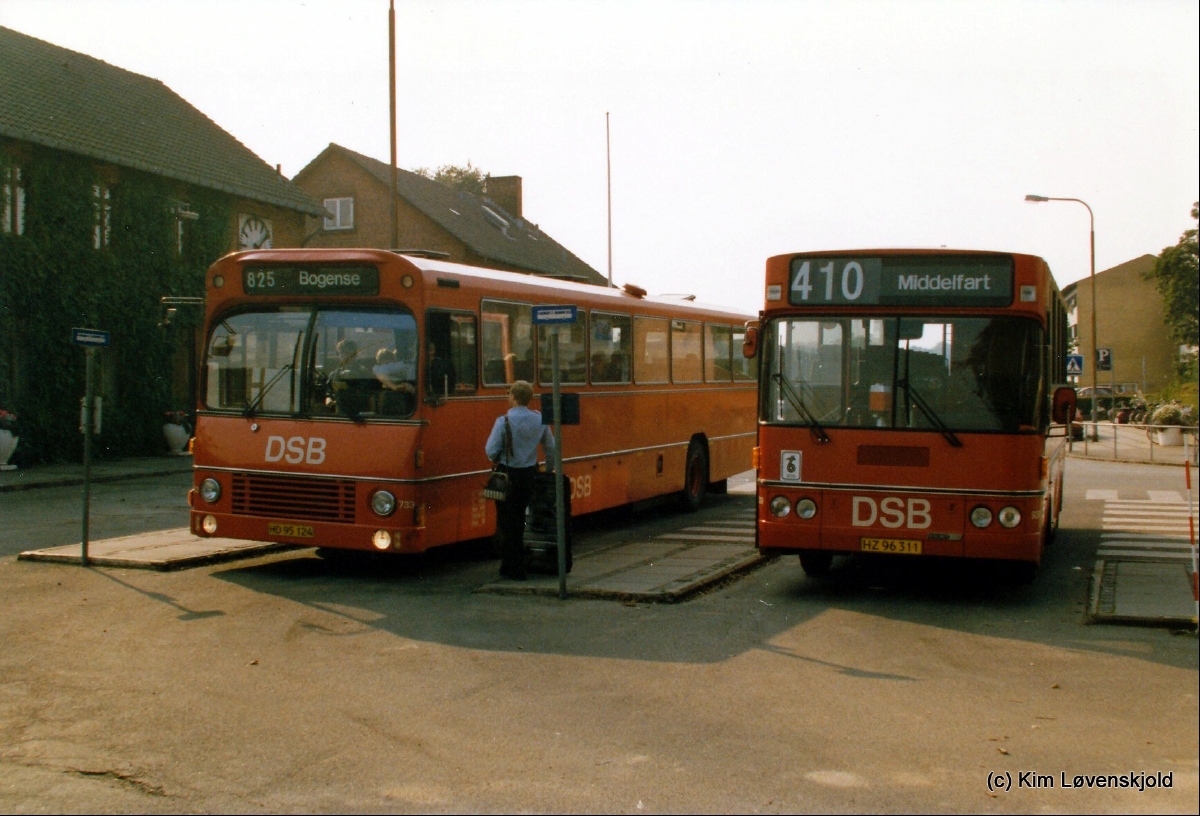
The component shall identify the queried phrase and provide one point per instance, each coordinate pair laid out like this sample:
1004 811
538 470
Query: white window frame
102 203
343 213
12 206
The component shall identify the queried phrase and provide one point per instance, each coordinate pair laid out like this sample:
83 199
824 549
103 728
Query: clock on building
254 233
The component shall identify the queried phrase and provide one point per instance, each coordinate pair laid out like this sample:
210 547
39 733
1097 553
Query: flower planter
1169 437
8 444
177 438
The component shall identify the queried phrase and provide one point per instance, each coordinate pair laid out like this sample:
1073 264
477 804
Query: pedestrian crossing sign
1075 365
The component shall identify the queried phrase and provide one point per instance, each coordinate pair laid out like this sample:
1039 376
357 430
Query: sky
735 129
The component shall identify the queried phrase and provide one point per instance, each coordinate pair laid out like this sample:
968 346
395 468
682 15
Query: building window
339 213
12 207
102 204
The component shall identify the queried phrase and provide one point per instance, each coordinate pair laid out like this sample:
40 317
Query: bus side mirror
1063 407
750 343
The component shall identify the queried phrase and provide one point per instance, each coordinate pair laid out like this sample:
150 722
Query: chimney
506 191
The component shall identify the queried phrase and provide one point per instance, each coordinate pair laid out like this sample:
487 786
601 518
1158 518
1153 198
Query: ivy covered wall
52 278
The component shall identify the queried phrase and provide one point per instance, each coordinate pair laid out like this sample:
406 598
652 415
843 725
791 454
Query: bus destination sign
963 280
310 280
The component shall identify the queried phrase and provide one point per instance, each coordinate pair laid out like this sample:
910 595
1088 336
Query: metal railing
1161 444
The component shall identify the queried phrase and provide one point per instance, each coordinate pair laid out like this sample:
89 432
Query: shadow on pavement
432 598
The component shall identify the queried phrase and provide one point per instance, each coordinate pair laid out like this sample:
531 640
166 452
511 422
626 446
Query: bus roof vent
636 291
448 283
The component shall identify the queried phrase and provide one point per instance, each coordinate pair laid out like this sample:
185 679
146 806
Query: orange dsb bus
346 396
905 405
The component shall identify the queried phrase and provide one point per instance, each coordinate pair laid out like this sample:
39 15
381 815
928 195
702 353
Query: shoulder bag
496 488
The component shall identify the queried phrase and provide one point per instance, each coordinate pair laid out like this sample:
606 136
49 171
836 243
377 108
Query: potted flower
1166 423
177 432
8 438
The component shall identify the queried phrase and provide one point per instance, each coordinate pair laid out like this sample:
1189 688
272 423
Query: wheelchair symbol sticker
789 466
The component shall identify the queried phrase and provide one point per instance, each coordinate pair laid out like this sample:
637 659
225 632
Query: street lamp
1095 342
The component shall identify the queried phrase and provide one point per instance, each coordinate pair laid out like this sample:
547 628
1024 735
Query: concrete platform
662 573
165 550
1147 592
666 568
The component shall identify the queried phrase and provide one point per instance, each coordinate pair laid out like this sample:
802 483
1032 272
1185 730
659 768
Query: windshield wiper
801 409
252 406
933 418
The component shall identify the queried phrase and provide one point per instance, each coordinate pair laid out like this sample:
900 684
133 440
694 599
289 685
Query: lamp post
1095 342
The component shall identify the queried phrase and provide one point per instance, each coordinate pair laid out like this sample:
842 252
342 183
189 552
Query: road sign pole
90 352
559 499
90 339
554 317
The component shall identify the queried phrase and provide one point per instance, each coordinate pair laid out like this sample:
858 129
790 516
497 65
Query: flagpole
608 159
392 108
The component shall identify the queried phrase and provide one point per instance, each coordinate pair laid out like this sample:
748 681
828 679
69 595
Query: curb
12 481
1142 600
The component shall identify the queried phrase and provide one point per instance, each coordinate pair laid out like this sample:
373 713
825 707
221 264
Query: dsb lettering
891 512
296 449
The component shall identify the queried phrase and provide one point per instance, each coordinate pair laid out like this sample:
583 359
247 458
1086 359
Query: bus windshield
304 361
931 373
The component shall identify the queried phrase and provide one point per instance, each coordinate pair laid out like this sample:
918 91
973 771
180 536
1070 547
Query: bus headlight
209 524
383 503
780 507
1009 517
981 517
382 540
210 490
806 508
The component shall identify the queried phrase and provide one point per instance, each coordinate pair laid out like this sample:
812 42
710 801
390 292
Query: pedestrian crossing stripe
1157 528
1168 497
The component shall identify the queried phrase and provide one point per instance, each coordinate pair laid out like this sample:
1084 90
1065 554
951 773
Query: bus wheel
816 562
695 478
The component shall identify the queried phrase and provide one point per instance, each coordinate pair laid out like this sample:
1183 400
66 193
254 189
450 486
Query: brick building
114 191
1129 321
490 231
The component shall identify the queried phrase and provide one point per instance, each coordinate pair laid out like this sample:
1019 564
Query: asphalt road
290 683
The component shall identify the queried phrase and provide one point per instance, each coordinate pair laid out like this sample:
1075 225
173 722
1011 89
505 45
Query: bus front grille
293 497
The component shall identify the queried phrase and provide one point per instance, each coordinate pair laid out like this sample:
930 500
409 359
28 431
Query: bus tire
695 477
816 562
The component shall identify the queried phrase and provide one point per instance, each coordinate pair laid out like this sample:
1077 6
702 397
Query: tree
1175 276
469 179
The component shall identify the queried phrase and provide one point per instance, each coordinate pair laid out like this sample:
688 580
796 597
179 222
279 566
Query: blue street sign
550 315
1104 359
1075 365
89 337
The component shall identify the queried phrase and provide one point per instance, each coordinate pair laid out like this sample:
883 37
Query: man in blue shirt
518 458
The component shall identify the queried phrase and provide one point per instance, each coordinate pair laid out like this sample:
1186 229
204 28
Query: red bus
346 395
907 406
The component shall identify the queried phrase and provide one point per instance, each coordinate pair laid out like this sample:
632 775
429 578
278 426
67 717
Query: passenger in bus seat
350 381
394 374
523 366
527 432
397 378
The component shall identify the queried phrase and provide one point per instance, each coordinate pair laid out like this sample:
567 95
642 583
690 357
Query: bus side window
611 342
506 336
450 352
651 346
